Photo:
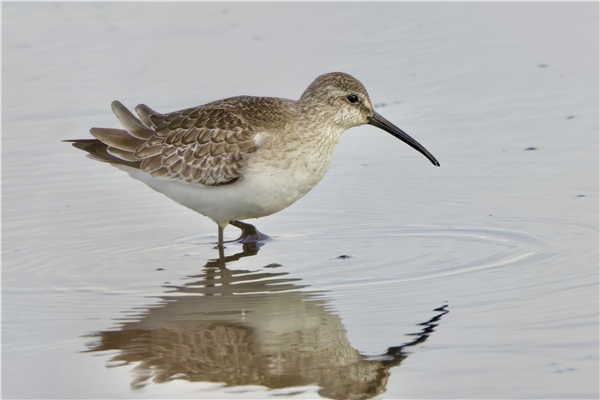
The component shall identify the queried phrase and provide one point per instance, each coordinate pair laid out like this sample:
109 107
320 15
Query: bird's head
344 101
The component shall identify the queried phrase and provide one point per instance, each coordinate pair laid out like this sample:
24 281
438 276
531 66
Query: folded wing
208 145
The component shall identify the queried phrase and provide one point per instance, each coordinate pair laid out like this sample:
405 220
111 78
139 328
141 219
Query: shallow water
392 278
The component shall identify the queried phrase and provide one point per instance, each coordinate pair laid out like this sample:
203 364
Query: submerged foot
249 233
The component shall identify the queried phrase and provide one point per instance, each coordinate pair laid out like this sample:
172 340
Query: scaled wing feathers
208 145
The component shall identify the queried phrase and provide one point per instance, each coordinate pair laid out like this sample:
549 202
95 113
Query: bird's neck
319 124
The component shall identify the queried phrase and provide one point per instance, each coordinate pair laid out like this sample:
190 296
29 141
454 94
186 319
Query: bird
242 157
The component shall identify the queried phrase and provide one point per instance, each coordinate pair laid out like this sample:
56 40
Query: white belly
263 191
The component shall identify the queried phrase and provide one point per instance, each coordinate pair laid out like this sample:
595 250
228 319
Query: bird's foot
249 233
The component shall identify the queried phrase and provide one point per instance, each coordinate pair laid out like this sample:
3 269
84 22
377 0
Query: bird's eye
353 98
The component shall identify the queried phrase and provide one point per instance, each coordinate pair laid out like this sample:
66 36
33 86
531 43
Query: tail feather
123 154
133 125
145 112
118 138
117 146
99 151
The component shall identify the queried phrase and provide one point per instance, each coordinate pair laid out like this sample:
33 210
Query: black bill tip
382 123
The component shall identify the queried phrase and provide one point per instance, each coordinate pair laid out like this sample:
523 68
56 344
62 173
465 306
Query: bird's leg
249 233
220 244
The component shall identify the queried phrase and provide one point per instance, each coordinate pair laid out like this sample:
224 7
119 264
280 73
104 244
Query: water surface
391 279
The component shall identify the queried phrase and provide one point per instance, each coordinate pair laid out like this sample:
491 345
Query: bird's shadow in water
241 327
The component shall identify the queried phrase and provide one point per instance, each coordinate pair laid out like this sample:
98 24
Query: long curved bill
382 123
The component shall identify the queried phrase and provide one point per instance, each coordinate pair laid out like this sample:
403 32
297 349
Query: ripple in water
429 252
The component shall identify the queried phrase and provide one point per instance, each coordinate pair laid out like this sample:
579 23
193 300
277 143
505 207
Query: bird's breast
291 167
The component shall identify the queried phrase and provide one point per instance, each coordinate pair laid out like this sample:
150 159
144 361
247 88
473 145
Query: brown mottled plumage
241 157
209 144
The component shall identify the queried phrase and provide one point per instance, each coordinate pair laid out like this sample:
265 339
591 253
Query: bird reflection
241 327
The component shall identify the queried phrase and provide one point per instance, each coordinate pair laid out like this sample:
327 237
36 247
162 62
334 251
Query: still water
391 279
